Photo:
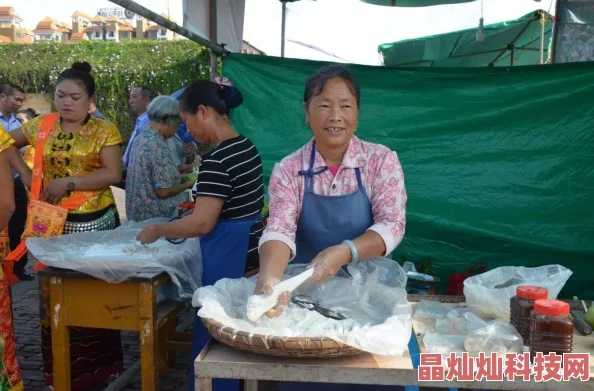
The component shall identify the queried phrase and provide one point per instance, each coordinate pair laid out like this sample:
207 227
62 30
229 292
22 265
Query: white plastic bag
372 298
488 294
497 336
116 255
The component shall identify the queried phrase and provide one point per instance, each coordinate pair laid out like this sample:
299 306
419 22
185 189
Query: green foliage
165 66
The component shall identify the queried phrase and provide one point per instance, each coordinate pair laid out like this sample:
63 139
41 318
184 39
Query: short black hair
222 98
316 82
79 72
29 113
10 88
147 92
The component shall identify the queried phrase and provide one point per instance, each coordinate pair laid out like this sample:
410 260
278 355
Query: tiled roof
9 12
4 39
98 18
78 37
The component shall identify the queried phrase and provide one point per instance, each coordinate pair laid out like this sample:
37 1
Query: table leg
147 297
60 336
250 385
203 384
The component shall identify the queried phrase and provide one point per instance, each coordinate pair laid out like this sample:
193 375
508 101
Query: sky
349 29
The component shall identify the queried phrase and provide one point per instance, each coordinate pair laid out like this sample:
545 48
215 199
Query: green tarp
498 162
461 49
414 3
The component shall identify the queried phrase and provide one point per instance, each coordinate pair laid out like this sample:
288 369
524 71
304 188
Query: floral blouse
381 175
150 167
5 139
73 154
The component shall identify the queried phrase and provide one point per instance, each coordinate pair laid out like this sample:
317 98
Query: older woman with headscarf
153 181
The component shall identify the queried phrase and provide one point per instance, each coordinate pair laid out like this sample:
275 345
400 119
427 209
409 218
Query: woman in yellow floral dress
10 374
82 154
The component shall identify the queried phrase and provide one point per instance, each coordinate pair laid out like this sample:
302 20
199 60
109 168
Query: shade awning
461 49
414 3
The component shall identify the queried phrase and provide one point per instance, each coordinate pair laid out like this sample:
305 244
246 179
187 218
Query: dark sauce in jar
551 328
521 306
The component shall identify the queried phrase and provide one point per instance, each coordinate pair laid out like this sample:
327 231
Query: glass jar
551 328
521 306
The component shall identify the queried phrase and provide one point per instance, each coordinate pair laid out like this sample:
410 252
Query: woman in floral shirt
153 178
338 199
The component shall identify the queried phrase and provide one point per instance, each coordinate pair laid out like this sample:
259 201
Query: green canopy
404 3
460 48
414 3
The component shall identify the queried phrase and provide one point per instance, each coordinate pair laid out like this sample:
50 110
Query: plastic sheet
489 293
371 296
116 255
497 336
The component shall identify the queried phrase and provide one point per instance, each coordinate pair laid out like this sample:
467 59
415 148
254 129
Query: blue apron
224 253
326 221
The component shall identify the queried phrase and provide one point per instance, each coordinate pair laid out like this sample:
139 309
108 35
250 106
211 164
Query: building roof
114 19
5 39
46 25
9 12
79 37
126 27
98 19
82 15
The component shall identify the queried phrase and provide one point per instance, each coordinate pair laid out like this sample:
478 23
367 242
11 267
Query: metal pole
161 21
556 26
213 38
542 34
283 28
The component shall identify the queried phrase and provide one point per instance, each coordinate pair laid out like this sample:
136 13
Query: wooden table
77 299
220 361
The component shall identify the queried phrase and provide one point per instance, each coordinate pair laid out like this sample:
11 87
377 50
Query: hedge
165 66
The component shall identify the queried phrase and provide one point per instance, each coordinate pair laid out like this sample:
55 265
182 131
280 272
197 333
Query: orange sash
43 219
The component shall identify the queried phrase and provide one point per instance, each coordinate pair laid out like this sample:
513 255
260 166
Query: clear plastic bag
116 255
497 336
488 294
371 296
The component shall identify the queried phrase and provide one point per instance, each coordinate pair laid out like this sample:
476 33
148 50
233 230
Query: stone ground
28 337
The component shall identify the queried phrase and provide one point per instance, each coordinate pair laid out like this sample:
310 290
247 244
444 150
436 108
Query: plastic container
521 306
185 207
551 328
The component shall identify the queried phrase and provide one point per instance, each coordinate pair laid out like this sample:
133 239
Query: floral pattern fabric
382 177
73 154
10 374
151 167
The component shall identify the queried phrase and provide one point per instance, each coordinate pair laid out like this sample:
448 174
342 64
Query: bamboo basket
278 346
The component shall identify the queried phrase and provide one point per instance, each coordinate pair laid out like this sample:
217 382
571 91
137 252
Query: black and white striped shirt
233 171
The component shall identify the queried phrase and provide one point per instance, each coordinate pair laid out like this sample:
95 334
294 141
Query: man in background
11 101
140 97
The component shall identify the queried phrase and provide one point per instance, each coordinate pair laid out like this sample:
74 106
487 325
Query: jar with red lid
521 306
551 328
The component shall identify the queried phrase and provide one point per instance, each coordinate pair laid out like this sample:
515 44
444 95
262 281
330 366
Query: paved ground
28 335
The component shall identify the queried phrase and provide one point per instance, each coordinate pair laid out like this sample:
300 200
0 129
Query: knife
580 323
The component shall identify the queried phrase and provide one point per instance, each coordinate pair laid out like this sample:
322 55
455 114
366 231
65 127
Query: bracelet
354 252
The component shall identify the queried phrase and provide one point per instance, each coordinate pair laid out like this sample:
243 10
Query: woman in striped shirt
229 196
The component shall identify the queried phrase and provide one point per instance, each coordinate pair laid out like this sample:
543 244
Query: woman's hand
185 168
190 148
264 286
55 190
328 262
149 234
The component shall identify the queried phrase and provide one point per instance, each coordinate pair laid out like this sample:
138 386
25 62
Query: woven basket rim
241 333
